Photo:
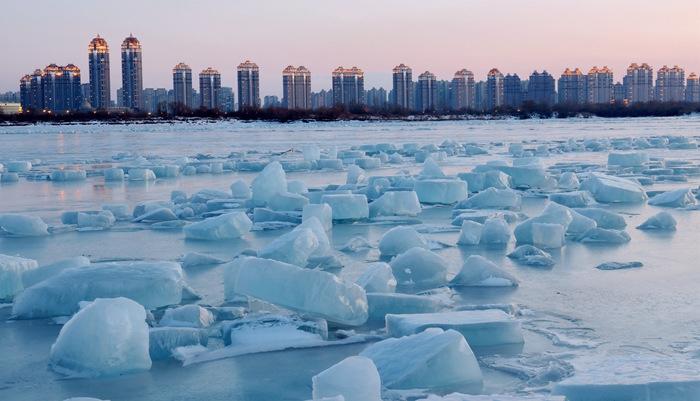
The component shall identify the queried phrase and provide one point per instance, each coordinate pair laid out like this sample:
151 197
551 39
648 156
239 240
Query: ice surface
18 166
627 159
477 271
618 265
261 332
400 239
22 225
164 340
569 181
297 246
610 189
355 378
602 235
470 233
157 215
83 399
492 198
12 270
287 201
378 277
311 292
120 211
227 226
682 197
33 276
531 255
68 175
240 190
99 220
553 213
382 304
105 338
420 268
113 174
548 235
659 221
494 397
195 259
440 191
396 203
431 170
481 328
9 177
431 359
141 174
495 232
270 181
187 316
322 212
573 199
604 218
152 284
347 206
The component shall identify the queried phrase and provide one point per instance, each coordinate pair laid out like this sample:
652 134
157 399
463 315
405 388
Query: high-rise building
572 87
271 102
639 83
512 91
494 90
182 86
98 58
376 98
670 84
480 96
248 85
322 99
155 100
24 92
599 85
348 87
227 100
692 89
55 89
402 86
296 88
210 89
426 92
132 74
619 93
541 88
463 90
443 100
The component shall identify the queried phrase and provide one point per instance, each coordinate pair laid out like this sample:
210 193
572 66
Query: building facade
132 74
271 101
599 86
98 61
463 90
512 91
376 98
155 100
670 84
322 99
54 89
402 87
494 90
692 89
210 89
541 89
426 92
572 87
348 87
639 83
182 86
296 88
248 85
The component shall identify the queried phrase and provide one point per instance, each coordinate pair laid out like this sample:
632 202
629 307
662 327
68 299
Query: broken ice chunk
377 278
22 225
12 269
659 221
187 316
270 181
164 340
532 256
492 198
477 271
677 198
322 212
382 304
396 203
420 268
347 206
33 276
400 239
601 235
227 226
610 189
470 233
440 191
495 232
604 218
355 378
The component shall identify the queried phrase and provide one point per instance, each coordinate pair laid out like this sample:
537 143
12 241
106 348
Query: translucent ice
164 340
287 201
22 225
495 232
113 174
400 239
659 221
378 277
240 190
492 198
441 191
141 174
495 397
322 212
610 189
68 175
553 213
107 337
677 198
226 226
573 199
381 304
420 268
604 218
33 276
548 235
628 159
102 220
294 247
12 268
356 175
431 359
481 328
347 206
470 233
530 255
194 259
568 181
396 203
270 181
431 170
477 271
355 378
187 316
602 235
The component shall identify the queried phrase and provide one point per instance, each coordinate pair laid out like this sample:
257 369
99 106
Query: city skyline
383 42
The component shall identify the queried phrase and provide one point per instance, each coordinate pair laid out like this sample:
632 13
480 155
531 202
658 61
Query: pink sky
437 35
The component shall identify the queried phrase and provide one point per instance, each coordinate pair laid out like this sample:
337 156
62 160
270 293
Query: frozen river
571 313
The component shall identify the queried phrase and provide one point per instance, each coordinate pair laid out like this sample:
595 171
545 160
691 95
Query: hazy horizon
441 36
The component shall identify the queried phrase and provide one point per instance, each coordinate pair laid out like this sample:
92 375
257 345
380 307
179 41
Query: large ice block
420 268
226 226
347 206
400 239
12 269
492 198
396 203
270 181
355 378
440 191
477 271
22 225
610 189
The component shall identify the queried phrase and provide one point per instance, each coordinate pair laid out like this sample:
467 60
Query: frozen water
481 328
269 182
107 337
495 232
378 277
569 181
470 233
618 265
420 268
227 226
22 225
12 270
440 191
68 175
295 247
431 170
611 189
195 259
356 175
659 221
628 159
400 239
604 218
152 284
322 212
682 197
395 203
382 304
187 316
602 235
164 340
33 276
355 378
553 213
494 397
141 174
492 198
573 199
477 271
431 359
548 235
100 220
113 174
531 255
287 201
347 206
240 190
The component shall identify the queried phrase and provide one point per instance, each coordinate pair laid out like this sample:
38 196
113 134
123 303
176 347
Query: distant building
619 93
155 101
195 101
402 87
296 88
541 88
670 84
322 99
120 98
494 90
443 100
210 89
512 91
132 74
248 85
182 86
55 89
463 90
348 87
227 100
426 92
599 86
376 98
98 57
639 83
480 96
271 102
10 97
572 87
692 89
10 108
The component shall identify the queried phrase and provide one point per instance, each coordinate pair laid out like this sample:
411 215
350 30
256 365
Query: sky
442 36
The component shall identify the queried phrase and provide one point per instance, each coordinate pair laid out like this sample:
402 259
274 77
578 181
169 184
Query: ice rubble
399 239
33 276
659 221
12 270
568 181
297 246
68 175
532 256
287 201
395 203
495 231
378 277
682 197
152 284
431 169
22 225
440 191
195 259
420 268
107 337
492 198
618 265
470 233
347 206
322 212
164 340
431 359
141 174
494 397
573 199
187 316
603 218
312 292
602 235
382 304
226 226
627 159
270 181
481 328
611 189
477 271
355 378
